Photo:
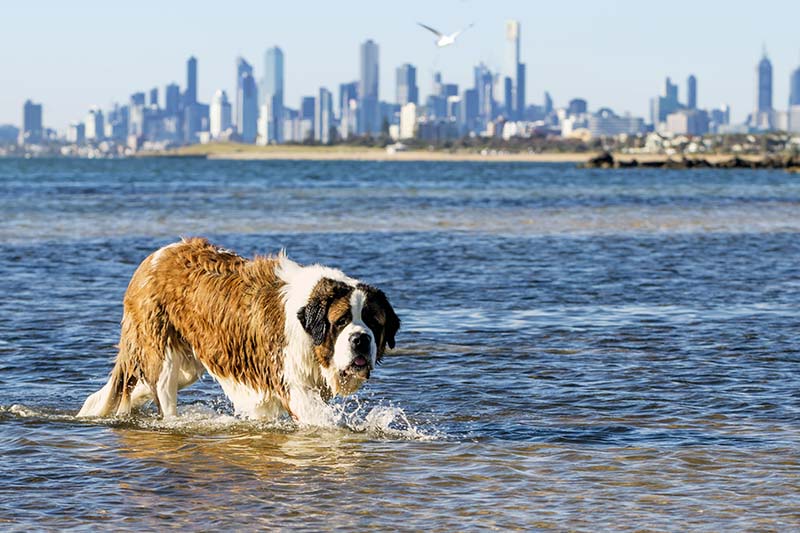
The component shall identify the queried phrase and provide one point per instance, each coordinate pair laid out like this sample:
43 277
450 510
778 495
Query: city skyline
572 56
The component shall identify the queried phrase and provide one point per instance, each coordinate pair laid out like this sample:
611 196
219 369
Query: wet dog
277 336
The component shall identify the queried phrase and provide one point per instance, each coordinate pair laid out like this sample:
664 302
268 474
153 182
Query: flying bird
443 40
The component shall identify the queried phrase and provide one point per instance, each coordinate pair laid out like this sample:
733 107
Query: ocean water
581 350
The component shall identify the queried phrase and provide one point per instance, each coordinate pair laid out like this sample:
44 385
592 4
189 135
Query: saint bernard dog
277 336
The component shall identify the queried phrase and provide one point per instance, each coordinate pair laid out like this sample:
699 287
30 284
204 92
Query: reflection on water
580 350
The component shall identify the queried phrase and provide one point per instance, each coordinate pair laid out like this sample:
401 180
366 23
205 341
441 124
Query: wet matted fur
278 337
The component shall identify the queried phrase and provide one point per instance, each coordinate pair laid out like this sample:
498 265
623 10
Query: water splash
352 414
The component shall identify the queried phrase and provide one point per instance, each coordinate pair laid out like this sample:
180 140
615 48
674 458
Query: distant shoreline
246 152
355 153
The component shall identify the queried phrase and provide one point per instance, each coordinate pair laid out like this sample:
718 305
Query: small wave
352 414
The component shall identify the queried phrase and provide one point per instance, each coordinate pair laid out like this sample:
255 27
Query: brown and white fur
277 336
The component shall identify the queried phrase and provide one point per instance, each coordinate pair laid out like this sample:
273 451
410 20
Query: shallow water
583 350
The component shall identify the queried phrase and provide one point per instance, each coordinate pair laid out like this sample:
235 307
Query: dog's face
351 328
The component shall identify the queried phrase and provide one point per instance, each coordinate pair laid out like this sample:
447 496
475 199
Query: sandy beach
236 151
358 153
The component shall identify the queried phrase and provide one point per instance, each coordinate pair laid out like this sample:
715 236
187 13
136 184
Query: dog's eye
342 322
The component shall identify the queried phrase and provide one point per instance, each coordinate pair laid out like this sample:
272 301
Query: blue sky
616 53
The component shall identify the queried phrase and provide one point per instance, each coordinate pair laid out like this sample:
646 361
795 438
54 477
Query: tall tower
273 92
190 96
323 116
515 69
219 114
32 130
764 84
691 92
172 99
242 68
794 88
407 90
369 120
247 112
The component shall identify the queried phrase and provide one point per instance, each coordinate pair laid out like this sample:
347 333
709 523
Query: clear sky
70 55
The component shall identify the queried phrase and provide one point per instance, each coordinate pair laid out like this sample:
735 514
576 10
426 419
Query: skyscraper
219 114
308 108
520 95
323 116
242 68
407 90
190 96
548 103
32 130
273 92
484 84
515 70
794 101
764 84
172 97
794 88
661 106
368 120
94 125
348 92
247 112
154 96
691 92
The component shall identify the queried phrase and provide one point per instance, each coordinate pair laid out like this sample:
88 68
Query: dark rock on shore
790 163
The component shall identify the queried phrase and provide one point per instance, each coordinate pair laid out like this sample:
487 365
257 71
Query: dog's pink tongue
360 361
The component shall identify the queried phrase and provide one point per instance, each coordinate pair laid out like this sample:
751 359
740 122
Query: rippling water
583 350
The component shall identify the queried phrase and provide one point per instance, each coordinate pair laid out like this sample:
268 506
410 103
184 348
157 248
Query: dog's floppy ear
314 315
392 321
392 324
314 320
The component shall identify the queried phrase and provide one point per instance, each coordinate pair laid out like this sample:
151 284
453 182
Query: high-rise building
154 96
508 97
195 121
190 96
117 123
691 92
764 85
469 111
794 88
242 68
794 101
577 106
348 92
521 102
219 114
515 70
32 131
369 119
408 120
76 133
94 125
272 93
407 90
688 122
138 99
136 115
172 99
323 116
308 108
247 112
484 84
548 103
661 106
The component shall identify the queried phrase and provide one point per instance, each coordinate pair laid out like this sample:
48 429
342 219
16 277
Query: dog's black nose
360 343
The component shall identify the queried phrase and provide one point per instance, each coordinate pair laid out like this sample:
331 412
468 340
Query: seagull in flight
443 40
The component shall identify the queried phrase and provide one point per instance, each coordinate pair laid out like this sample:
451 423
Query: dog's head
351 326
